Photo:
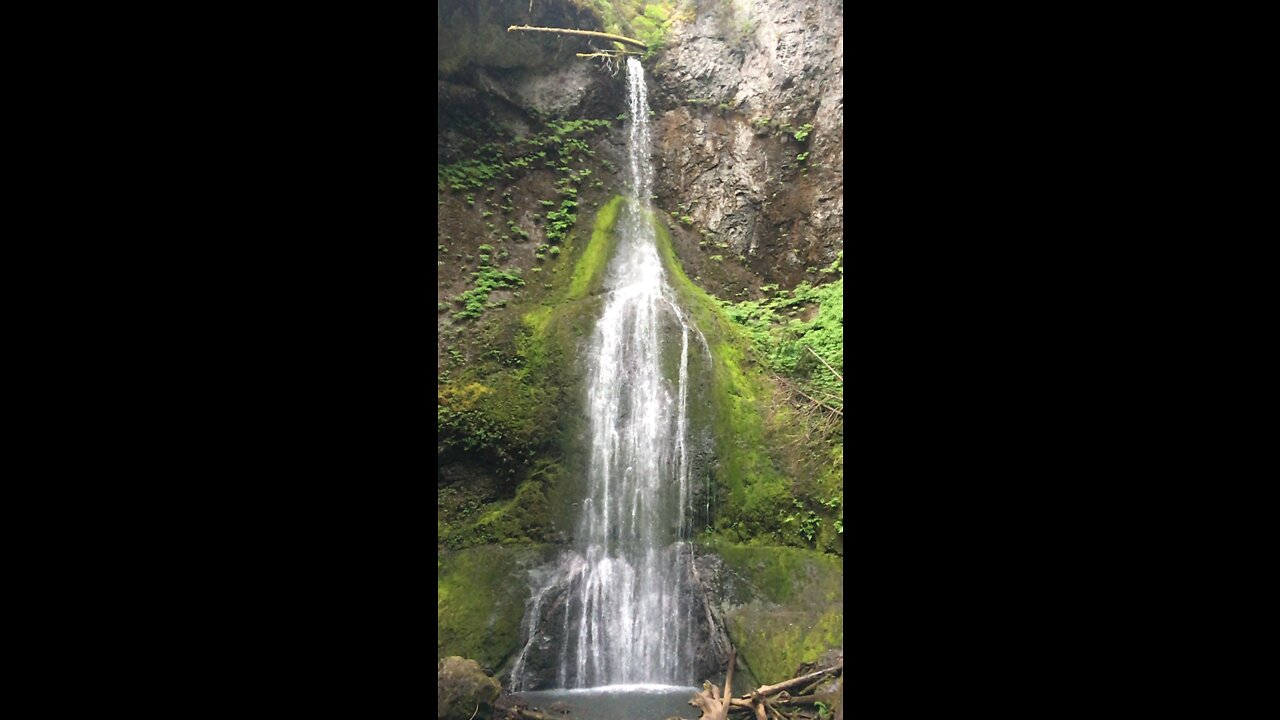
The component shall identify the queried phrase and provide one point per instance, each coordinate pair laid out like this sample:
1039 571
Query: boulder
465 691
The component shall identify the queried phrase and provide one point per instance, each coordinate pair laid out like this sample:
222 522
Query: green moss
513 409
746 470
495 416
788 607
792 576
774 643
524 519
588 273
480 601
776 478
786 344
537 320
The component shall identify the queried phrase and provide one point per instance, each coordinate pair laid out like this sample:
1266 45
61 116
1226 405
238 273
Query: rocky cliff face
749 137
751 141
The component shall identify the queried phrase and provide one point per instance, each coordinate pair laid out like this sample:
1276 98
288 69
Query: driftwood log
715 706
764 702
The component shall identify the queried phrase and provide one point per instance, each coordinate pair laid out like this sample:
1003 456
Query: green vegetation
487 279
794 336
480 601
507 404
520 520
589 271
509 412
789 606
644 20
566 136
776 642
783 342
785 575
759 482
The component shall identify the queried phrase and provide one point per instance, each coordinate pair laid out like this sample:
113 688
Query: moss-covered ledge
782 606
775 643
480 602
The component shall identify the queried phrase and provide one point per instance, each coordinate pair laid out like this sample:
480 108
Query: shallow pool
614 702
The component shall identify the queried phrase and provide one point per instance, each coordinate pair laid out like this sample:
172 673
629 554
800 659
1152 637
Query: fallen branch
608 54
765 699
793 682
824 362
793 387
819 403
584 33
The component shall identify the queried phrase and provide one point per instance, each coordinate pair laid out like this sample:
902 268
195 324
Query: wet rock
464 690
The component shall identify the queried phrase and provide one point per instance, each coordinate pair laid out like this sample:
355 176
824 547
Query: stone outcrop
783 608
464 691
735 91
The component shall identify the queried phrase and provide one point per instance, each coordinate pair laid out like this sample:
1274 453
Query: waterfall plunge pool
613 702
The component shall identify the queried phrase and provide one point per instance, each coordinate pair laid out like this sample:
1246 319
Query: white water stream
626 615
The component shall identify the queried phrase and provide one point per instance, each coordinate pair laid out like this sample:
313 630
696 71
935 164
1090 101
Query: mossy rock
783 607
463 690
524 519
786 576
480 601
775 643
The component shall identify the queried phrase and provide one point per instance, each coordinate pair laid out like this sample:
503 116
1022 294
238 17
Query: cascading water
622 593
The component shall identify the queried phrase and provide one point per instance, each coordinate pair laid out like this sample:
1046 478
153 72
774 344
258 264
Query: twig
819 402
824 362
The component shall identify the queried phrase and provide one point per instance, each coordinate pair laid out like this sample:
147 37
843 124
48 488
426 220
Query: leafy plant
796 348
487 279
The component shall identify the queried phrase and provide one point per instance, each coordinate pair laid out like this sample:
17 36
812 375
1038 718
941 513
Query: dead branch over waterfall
584 33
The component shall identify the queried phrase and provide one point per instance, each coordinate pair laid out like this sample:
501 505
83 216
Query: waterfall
622 592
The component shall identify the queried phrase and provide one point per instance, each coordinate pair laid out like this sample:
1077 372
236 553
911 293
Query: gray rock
732 88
